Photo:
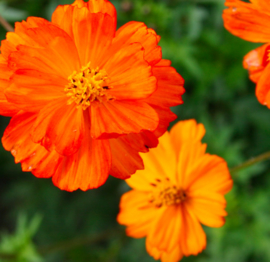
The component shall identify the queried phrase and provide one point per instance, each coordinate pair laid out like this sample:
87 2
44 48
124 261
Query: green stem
5 24
251 162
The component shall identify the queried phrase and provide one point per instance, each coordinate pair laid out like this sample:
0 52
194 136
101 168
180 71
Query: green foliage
18 247
218 94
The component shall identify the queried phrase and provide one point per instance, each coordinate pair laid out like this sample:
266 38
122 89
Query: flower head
251 21
181 187
84 97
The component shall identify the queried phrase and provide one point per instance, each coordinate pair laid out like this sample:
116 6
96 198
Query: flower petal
249 21
170 87
33 157
186 131
125 157
113 118
60 127
64 16
31 90
130 76
92 35
263 87
160 163
6 108
255 62
208 208
174 255
136 32
166 234
201 171
86 169
136 214
194 238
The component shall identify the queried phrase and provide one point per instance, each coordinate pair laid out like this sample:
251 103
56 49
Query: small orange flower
84 98
251 21
181 187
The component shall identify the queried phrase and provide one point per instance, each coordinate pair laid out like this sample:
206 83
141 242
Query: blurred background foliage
38 222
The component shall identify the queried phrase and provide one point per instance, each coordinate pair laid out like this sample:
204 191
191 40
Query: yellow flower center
87 86
166 194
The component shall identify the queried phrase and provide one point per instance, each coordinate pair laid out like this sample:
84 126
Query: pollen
166 194
87 86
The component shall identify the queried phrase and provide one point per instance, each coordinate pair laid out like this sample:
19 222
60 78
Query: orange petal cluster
251 21
181 188
84 98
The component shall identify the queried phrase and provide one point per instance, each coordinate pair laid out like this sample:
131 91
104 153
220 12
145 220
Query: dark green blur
39 222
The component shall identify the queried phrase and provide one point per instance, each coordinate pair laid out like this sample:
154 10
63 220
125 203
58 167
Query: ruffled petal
31 90
263 87
249 21
130 76
136 214
166 116
33 157
93 35
64 15
20 36
113 118
6 108
86 169
255 62
125 155
136 32
170 87
58 55
60 127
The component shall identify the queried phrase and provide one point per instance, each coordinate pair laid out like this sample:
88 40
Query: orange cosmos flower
181 187
250 21
84 98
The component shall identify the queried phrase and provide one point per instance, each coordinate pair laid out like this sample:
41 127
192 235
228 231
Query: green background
39 222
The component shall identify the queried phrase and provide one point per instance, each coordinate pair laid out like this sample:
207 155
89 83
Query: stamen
87 86
164 193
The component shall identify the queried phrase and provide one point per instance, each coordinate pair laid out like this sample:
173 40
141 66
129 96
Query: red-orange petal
125 155
170 87
59 126
63 16
92 35
136 32
255 62
113 118
263 87
130 76
33 157
86 169
6 108
31 90
249 21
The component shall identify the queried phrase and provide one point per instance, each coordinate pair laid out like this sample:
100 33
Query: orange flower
251 21
181 187
84 98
